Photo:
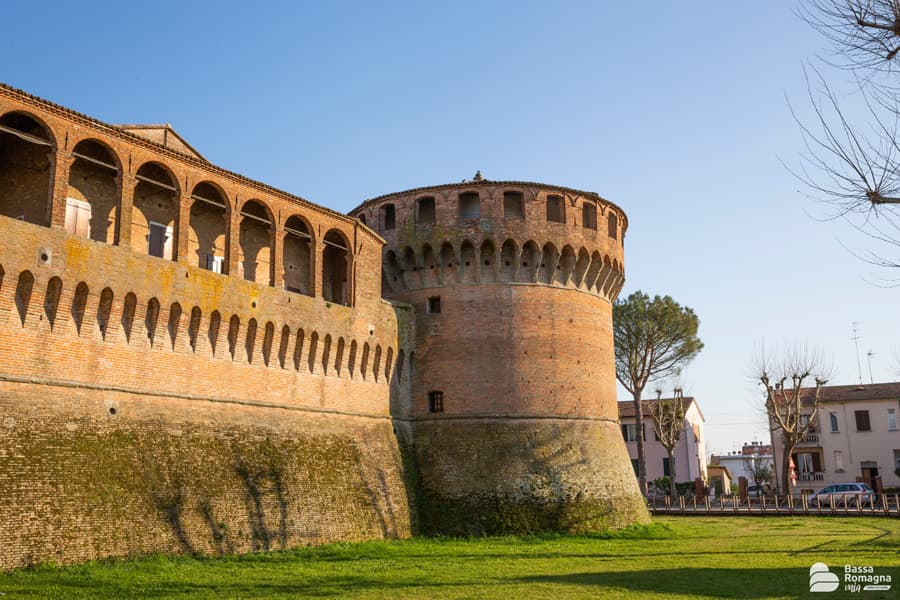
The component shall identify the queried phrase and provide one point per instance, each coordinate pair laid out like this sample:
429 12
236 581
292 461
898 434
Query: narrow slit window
390 216
435 401
434 305
589 216
556 209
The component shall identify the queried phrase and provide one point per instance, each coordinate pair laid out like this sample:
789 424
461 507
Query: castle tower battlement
511 414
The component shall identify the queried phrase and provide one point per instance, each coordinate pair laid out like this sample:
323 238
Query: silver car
855 493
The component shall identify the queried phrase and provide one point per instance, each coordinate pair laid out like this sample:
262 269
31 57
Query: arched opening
268 337
566 265
326 353
488 261
313 346
531 262
297 257
508 262
336 268
593 271
234 328
388 217
589 215
392 272
425 211
412 278
26 169
429 267
256 243
194 327
448 263
155 211
24 288
581 267
250 340
79 305
467 264
388 364
513 205
51 300
93 192
469 205
212 334
376 363
549 261
174 322
351 360
298 349
151 318
208 227
283 345
128 309
364 363
104 310
339 356
613 225
556 209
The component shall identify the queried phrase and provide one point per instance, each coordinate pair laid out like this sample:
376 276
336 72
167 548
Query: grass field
676 557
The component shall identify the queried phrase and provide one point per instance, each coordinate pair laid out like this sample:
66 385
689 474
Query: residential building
690 453
855 437
740 462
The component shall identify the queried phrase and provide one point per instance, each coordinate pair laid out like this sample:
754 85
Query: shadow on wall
255 496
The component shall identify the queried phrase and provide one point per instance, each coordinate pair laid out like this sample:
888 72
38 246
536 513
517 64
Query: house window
666 471
214 263
838 461
892 420
897 459
469 206
629 432
556 210
862 421
434 305
834 422
390 216
589 216
436 401
159 242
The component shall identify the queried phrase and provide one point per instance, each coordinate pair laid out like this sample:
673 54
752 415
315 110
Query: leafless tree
856 168
791 408
668 423
759 470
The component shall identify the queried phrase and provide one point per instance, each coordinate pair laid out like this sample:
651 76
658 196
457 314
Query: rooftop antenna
869 355
855 339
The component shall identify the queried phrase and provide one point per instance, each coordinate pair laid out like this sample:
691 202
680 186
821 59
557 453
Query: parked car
855 492
758 491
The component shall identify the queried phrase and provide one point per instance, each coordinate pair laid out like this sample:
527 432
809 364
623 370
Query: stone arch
392 271
566 265
208 231
129 307
467 262
509 260
297 260
487 261
336 268
174 323
151 317
79 305
549 262
593 271
27 164
51 299
581 267
156 200
24 288
410 269
605 273
530 263
104 310
92 196
256 241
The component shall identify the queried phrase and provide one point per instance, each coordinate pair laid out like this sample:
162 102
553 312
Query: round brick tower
510 417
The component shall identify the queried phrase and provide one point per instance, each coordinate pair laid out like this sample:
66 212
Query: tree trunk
672 488
639 431
786 468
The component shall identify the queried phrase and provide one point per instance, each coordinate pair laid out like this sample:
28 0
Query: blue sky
676 111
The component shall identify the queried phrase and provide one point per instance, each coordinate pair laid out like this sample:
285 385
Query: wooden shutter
862 421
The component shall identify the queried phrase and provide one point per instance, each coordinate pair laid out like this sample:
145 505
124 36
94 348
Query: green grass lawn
676 557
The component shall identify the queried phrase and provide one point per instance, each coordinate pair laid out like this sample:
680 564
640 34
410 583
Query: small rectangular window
425 211
436 402
666 470
556 209
834 422
892 420
389 216
434 305
613 225
159 241
838 461
469 206
862 421
589 216
513 205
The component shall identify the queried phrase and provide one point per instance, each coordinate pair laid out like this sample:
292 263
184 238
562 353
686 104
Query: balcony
810 439
817 476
